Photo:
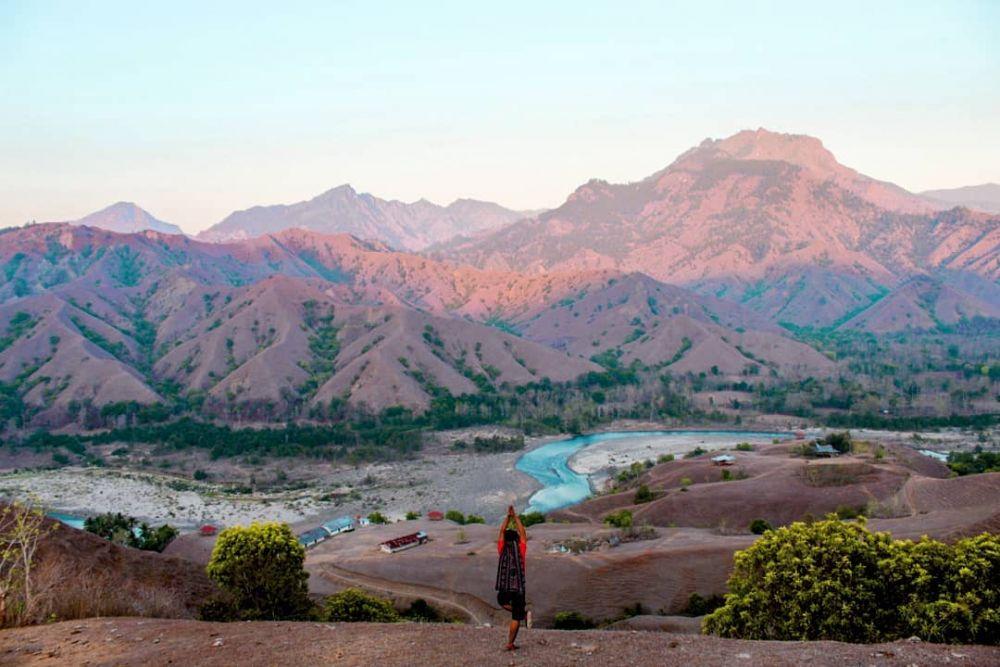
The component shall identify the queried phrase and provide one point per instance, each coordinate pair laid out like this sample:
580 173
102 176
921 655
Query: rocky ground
131 641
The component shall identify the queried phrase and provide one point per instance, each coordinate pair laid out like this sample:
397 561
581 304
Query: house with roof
339 525
404 542
723 460
312 537
824 450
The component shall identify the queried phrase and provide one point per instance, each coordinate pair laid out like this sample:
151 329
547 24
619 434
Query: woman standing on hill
513 548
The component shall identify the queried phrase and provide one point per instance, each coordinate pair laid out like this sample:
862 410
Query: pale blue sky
193 110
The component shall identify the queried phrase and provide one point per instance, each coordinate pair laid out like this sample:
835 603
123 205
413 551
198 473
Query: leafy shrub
474 518
620 519
699 605
532 518
971 463
571 620
685 483
664 458
355 606
261 568
848 512
412 516
831 580
697 451
744 447
456 516
377 518
759 526
200 475
642 495
421 612
727 475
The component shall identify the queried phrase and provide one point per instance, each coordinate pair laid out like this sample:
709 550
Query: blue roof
313 535
825 449
339 523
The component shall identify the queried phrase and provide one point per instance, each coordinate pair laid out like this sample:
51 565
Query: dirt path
469 606
149 642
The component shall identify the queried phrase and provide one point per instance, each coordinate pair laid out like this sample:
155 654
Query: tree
531 518
620 519
377 517
832 580
456 516
355 606
412 516
759 526
642 495
22 527
261 568
128 532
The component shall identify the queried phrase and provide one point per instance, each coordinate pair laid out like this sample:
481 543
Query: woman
513 548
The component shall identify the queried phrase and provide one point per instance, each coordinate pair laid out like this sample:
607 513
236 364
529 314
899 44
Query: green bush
620 519
412 516
377 518
532 518
664 458
831 580
571 620
699 605
261 568
456 516
474 518
355 606
759 526
744 447
642 495
421 612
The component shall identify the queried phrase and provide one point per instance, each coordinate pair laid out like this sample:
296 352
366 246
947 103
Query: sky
193 110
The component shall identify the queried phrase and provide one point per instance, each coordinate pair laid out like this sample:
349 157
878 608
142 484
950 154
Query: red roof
208 529
434 515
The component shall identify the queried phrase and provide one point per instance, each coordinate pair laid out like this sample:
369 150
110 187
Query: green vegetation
377 518
970 463
532 518
494 444
760 526
833 580
323 347
699 605
455 516
20 324
412 516
260 570
744 447
353 605
128 532
571 620
642 495
619 519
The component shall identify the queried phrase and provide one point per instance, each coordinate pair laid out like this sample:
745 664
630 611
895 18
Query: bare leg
512 634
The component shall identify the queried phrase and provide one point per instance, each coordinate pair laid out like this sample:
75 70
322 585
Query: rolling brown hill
301 319
764 219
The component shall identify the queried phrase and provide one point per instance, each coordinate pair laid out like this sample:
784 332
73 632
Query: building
404 542
312 537
825 450
339 525
207 530
723 460
434 515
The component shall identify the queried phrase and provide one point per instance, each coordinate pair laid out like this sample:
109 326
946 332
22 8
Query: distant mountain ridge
985 197
126 217
407 226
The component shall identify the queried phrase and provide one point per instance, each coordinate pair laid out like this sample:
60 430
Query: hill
298 320
768 220
985 197
342 210
126 217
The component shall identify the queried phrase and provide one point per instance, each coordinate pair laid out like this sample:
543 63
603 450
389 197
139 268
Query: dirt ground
148 642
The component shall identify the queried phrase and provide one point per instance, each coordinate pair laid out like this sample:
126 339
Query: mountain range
342 210
711 265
